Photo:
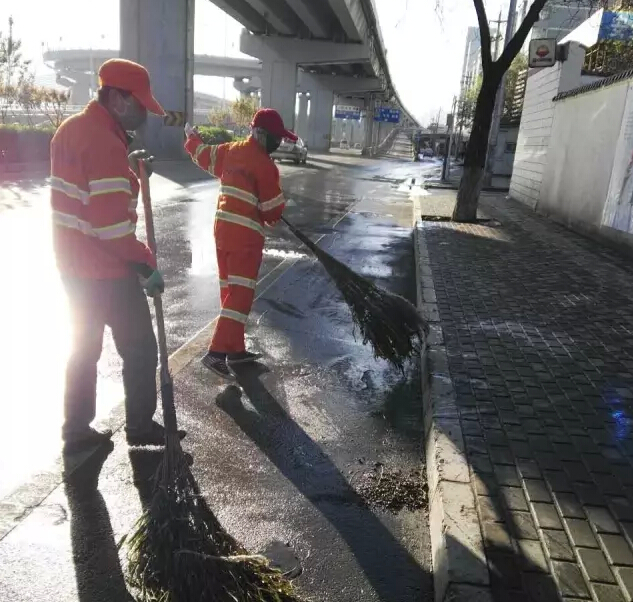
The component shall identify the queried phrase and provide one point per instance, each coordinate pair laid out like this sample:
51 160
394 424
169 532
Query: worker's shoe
243 357
154 435
216 362
91 438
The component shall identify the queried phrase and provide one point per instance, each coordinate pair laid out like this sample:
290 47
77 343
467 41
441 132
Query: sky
425 45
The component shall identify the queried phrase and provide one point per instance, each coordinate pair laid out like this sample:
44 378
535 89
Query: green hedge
24 144
214 135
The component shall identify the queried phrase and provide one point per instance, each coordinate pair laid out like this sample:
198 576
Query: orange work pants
238 276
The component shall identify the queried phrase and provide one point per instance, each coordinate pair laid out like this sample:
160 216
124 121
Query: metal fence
608 58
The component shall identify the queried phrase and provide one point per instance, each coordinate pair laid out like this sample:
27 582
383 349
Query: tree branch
515 44
484 34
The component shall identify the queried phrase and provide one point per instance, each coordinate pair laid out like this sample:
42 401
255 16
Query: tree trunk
475 158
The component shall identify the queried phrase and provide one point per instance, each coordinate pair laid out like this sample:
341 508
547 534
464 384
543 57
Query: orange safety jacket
94 194
250 196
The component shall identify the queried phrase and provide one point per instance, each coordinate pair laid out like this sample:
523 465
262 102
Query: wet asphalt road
280 456
33 316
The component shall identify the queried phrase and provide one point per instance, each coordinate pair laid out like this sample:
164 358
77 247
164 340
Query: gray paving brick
625 579
608 484
627 528
577 472
624 473
607 593
621 508
612 453
485 484
547 516
531 555
617 549
557 545
496 536
568 505
495 436
595 565
589 494
501 455
540 588
565 451
514 498
489 508
475 445
507 475
481 464
521 525
504 569
501 593
581 533
537 490
521 449
529 469
557 480
569 579
601 519
596 463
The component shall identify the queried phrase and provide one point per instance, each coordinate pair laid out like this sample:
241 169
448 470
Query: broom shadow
98 571
394 574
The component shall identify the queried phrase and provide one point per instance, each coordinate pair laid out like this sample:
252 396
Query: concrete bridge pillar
279 87
369 126
302 116
80 85
159 35
247 87
320 120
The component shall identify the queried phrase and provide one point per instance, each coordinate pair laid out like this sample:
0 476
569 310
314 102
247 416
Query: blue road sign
347 112
387 114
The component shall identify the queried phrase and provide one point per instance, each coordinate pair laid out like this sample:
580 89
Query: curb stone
460 572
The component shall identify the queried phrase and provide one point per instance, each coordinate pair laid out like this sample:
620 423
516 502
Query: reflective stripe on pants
238 275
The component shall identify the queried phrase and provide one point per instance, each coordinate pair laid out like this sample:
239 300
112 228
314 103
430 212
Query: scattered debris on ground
393 490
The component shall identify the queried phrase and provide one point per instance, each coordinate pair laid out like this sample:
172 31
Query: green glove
154 284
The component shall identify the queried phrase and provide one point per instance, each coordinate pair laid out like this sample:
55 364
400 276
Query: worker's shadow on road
98 571
394 574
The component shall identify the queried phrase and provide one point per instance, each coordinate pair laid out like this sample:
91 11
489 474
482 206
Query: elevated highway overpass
305 53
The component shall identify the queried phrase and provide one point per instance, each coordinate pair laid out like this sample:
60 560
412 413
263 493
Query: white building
560 17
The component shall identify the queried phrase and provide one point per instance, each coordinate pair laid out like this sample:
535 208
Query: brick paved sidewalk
537 330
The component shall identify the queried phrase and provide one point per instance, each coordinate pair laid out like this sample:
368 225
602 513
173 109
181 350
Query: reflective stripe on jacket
249 196
94 194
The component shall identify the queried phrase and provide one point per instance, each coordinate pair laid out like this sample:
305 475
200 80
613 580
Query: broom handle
169 411
300 235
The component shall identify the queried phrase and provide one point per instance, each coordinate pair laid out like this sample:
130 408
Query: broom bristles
178 551
390 323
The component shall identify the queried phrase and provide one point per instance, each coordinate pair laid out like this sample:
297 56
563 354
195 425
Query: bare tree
493 71
55 103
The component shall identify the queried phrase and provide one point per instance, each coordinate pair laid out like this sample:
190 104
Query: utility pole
499 21
496 117
9 51
446 167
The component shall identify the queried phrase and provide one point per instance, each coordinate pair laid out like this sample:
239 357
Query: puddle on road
392 490
283 558
281 254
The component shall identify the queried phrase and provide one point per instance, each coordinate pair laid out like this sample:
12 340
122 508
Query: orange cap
131 77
